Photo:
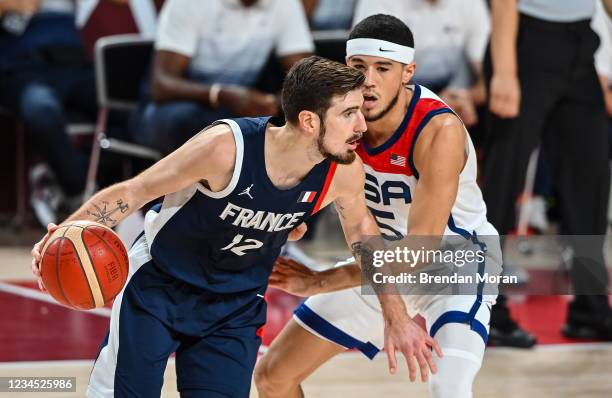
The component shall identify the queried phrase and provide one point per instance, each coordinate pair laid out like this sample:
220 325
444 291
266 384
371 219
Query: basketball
84 265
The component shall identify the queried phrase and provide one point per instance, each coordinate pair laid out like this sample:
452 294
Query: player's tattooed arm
362 252
340 209
173 173
104 212
111 205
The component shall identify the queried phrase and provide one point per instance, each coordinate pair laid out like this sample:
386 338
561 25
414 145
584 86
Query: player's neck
379 131
288 156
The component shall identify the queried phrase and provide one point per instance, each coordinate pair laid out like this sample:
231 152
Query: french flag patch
307 197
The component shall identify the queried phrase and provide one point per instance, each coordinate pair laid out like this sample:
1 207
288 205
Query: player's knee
270 380
450 387
454 378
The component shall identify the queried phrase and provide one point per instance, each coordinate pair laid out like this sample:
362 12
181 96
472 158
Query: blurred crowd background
81 107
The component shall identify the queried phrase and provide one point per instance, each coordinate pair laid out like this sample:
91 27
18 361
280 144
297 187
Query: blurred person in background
602 25
47 79
128 17
44 72
209 55
452 37
543 87
329 14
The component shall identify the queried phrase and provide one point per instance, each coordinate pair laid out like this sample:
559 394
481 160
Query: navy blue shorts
214 337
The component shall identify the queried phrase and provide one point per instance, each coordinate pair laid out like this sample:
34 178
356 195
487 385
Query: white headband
379 48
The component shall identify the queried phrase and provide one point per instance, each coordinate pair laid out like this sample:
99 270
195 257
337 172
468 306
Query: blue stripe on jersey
227 241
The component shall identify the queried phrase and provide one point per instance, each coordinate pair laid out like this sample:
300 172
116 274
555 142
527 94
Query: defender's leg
291 358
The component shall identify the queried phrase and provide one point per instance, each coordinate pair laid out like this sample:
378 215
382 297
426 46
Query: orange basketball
84 265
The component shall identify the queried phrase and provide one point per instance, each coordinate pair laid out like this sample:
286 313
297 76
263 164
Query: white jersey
391 176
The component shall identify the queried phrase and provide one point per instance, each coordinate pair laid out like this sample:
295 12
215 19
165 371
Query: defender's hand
406 336
36 255
294 278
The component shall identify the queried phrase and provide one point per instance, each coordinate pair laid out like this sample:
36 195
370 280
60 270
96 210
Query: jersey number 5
249 244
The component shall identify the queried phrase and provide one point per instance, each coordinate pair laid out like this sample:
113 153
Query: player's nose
369 78
361 126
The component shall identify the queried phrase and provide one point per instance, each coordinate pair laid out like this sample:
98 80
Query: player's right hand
36 255
405 335
505 96
247 102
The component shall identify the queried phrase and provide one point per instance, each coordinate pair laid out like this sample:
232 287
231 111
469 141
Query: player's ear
407 72
308 121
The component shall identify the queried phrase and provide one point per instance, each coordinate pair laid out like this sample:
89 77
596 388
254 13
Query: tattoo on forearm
340 210
356 249
362 252
103 215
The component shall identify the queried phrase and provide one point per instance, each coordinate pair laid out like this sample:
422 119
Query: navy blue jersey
227 241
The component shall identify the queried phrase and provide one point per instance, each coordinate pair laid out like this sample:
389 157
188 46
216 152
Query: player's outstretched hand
406 336
36 255
294 278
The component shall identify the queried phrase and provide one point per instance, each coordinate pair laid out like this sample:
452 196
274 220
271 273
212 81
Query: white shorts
354 320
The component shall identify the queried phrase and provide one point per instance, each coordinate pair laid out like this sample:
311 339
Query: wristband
213 94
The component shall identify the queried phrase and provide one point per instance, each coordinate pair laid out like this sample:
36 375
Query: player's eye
359 67
382 69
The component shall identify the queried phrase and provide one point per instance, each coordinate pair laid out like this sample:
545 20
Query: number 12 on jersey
239 247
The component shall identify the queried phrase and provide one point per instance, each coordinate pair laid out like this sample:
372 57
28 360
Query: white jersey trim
237 165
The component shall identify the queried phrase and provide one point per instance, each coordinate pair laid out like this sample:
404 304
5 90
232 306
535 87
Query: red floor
33 330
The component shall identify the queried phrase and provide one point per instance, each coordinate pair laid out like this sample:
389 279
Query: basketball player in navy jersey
420 169
232 195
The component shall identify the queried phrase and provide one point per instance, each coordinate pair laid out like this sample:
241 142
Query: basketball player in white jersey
420 180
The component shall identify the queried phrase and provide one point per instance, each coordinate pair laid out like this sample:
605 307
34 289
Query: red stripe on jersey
328 179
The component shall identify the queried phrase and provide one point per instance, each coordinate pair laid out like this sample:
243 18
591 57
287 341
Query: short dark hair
383 27
312 83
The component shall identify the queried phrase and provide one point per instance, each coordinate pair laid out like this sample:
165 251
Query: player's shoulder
216 146
444 123
443 136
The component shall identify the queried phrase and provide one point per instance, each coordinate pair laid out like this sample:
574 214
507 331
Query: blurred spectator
209 55
602 25
544 87
543 190
453 35
93 17
43 73
330 14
